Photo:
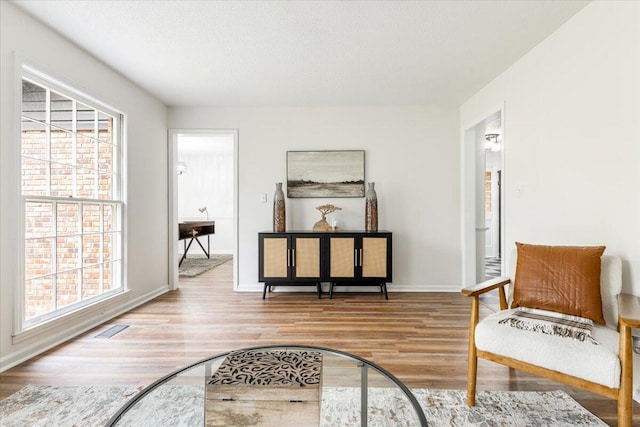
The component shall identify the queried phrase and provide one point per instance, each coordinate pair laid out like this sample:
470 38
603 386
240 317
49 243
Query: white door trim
173 198
467 203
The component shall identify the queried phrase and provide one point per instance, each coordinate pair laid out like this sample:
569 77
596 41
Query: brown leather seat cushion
565 279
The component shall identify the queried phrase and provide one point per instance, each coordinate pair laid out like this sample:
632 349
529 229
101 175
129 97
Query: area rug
195 265
179 405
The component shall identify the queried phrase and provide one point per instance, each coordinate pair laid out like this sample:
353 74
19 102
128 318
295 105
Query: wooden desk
192 230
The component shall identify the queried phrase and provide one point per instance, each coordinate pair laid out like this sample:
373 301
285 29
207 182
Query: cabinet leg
319 289
384 286
331 290
264 291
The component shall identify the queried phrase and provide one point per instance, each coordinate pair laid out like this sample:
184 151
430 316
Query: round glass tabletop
275 385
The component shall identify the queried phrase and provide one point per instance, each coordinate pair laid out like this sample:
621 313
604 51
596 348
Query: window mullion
116 170
74 148
81 252
54 260
101 257
96 158
47 130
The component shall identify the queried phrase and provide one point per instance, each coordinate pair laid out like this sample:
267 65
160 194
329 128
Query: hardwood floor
419 337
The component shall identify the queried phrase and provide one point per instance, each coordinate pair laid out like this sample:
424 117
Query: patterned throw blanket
551 323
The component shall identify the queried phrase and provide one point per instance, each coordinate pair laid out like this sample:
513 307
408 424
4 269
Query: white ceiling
307 53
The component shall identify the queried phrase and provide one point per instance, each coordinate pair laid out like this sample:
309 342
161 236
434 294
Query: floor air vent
112 331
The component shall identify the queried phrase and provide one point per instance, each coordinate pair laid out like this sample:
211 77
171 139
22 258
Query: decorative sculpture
323 225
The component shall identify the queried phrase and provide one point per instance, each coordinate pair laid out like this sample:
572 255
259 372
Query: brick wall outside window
73 238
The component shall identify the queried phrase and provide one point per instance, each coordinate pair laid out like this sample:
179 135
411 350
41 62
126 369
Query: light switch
263 197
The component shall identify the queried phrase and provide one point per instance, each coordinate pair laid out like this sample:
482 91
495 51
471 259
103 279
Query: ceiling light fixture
182 168
491 142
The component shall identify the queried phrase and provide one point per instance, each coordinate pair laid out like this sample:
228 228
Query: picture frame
318 174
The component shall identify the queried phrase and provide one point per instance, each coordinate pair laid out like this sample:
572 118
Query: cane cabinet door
274 257
306 257
290 257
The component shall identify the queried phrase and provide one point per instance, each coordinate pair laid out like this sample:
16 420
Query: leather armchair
605 369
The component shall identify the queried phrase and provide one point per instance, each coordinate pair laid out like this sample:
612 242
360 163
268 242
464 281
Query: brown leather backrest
610 284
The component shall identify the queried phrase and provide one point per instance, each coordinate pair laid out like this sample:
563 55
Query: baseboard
211 252
325 288
92 317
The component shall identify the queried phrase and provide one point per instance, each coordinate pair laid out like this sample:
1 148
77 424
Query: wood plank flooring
419 337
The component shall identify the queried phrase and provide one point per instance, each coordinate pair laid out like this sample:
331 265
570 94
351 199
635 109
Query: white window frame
24 329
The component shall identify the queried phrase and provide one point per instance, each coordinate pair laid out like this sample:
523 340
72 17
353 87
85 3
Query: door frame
172 158
468 184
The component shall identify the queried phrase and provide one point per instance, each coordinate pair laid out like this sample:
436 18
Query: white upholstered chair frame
624 308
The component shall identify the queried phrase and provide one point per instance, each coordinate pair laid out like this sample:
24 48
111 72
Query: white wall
146 192
207 182
572 135
410 152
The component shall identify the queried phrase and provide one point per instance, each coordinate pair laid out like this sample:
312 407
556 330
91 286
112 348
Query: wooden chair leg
472 369
625 394
503 298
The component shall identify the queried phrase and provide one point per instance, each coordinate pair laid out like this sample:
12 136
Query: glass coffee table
336 389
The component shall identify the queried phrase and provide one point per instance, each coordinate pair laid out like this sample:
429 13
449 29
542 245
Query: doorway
203 195
483 206
493 174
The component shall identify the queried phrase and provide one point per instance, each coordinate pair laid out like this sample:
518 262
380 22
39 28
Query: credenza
307 258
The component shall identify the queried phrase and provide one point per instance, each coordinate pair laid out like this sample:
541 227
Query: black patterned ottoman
275 388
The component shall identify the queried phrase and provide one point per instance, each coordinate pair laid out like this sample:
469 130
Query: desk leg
186 249
202 247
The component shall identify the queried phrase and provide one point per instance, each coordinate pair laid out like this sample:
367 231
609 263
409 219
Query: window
71 200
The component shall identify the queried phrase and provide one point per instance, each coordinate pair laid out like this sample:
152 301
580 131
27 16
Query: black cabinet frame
291 278
357 279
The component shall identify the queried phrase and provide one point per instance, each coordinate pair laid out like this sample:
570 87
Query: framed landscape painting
325 173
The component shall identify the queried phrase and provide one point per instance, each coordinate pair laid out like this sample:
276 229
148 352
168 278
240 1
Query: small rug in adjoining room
182 405
195 265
